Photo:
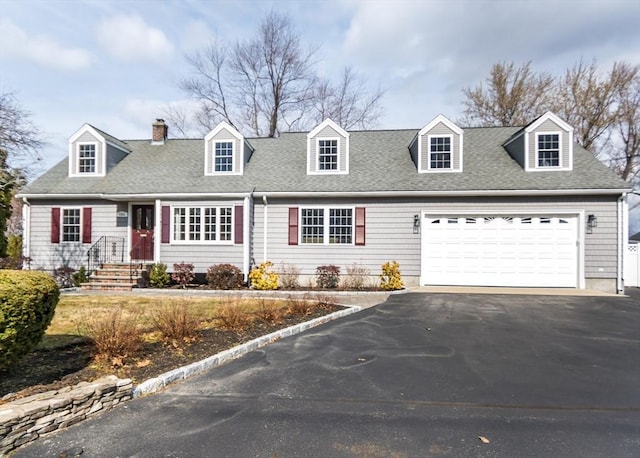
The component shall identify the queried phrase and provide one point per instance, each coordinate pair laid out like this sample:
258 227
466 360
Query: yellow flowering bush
391 279
263 277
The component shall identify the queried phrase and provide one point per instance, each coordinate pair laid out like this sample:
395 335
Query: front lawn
142 337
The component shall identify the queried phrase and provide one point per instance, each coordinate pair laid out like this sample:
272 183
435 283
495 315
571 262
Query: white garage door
500 250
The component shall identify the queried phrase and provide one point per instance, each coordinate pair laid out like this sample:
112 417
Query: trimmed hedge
28 300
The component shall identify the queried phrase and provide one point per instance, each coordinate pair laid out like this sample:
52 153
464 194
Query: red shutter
293 226
86 225
165 230
238 229
55 225
360 225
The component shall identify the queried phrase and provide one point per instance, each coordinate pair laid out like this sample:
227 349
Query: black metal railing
105 249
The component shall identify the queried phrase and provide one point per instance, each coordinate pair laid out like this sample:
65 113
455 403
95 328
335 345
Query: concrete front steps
117 277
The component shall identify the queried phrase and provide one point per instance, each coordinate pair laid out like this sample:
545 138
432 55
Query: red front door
142 232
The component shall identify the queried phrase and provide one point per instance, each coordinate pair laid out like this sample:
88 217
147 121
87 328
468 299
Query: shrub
14 246
391 279
11 263
289 274
158 276
27 304
327 277
263 277
301 305
176 321
63 276
325 301
224 276
182 274
233 316
268 310
115 336
357 277
79 277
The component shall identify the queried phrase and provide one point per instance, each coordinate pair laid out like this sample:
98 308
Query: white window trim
326 208
214 145
210 141
455 131
343 156
564 129
537 151
70 242
451 153
75 159
173 241
331 172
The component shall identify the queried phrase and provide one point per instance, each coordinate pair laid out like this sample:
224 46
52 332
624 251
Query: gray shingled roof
379 161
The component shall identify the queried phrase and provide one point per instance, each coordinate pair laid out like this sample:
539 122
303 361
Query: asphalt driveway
420 375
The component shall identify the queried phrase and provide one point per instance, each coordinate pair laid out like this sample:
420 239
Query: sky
116 64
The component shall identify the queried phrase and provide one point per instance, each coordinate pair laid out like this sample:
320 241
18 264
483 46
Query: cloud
129 38
41 49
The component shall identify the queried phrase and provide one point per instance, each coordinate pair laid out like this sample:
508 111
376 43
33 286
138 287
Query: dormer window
544 145
225 151
328 149
224 156
548 149
439 152
438 147
328 154
86 158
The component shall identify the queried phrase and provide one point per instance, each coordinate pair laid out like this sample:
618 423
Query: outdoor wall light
416 224
592 222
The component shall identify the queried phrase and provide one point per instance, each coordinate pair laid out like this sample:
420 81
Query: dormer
92 153
328 150
438 147
546 144
225 151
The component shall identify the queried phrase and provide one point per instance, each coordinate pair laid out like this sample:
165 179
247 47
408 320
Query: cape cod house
502 206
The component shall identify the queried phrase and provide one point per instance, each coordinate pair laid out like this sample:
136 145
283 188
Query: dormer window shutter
55 225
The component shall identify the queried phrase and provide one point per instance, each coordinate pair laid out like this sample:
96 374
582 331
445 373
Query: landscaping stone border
26 419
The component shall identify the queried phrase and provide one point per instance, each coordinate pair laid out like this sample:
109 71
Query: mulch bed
44 370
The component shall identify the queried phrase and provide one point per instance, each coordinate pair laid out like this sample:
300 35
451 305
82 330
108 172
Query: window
328 154
548 150
87 158
338 225
71 225
202 224
440 152
223 158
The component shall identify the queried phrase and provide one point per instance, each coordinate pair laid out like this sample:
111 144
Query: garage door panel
500 250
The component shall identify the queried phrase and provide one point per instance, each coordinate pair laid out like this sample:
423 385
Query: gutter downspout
266 215
26 231
247 212
623 239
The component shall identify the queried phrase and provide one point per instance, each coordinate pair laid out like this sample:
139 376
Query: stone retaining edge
160 382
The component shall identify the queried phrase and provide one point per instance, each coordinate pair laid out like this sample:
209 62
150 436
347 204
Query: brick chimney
160 132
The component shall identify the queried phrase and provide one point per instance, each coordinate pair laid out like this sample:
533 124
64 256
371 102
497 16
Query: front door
142 232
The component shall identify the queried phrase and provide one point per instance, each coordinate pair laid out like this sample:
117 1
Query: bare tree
512 96
350 103
588 101
625 148
267 84
19 137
